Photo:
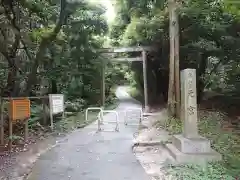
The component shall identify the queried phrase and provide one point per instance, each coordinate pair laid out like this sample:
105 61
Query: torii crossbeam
143 58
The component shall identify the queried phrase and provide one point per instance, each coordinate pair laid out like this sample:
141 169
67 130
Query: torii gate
143 58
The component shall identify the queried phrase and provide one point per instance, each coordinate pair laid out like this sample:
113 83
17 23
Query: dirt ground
18 163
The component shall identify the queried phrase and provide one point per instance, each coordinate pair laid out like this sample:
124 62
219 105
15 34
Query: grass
74 122
78 120
224 142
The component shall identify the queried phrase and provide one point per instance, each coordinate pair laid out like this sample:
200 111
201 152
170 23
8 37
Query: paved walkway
91 155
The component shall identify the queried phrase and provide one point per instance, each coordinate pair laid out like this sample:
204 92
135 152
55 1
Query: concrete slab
152 135
154 159
193 158
196 145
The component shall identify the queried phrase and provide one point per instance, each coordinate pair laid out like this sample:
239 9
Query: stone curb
145 144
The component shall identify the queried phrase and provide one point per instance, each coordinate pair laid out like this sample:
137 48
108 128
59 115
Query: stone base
197 150
196 145
193 158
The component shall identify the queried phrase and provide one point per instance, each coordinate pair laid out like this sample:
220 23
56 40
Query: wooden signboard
19 109
56 102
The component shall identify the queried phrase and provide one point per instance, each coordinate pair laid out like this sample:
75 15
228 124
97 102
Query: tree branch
26 50
32 8
46 40
10 56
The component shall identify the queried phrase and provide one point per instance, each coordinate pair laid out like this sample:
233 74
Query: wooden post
103 84
144 56
50 111
44 112
51 120
171 89
26 130
10 135
2 122
176 57
63 113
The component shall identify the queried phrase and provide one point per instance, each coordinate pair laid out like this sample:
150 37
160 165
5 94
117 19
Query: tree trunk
171 89
176 65
200 81
54 87
46 41
11 79
32 78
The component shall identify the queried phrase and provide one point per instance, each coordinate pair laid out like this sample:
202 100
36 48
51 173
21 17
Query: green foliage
36 114
232 7
37 34
51 47
208 30
210 172
173 125
15 138
77 62
76 121
136 94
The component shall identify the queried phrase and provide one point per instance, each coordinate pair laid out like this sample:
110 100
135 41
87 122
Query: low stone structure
190 147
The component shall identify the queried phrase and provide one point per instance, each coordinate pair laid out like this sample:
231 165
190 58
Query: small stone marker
190 147
189 103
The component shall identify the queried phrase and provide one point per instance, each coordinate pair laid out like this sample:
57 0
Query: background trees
209 41
50 46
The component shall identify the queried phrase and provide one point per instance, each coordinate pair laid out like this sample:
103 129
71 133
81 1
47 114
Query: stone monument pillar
189 103
190 146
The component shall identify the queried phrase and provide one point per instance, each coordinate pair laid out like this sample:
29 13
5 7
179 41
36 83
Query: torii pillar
145 83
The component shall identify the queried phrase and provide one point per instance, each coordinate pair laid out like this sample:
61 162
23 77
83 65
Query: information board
56 102
19 109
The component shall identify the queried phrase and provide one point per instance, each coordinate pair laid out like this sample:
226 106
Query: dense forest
50 46
209 33
209 41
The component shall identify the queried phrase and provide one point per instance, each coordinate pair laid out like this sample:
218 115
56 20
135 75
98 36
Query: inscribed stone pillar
189 103
190 147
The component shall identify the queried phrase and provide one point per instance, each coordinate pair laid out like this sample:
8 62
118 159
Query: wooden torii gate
143 59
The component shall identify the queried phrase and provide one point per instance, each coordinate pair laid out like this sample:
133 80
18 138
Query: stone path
91 155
